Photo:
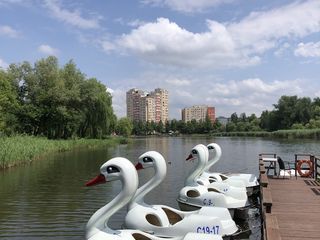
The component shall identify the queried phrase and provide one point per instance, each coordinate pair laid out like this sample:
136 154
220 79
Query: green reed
23 149
290 134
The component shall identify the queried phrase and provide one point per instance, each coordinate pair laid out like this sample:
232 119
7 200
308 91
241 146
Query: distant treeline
52 101
291 116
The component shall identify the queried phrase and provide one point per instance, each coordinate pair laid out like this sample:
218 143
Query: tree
269 121
285 111
160 127
8 104
303 110
57 102
124 127
243 117
97 110
234 117
139 128
207 124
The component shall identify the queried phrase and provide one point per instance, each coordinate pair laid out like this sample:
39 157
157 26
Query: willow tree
96 109
59 102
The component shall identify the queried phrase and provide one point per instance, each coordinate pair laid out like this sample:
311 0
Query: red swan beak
189 157
139 166
97 180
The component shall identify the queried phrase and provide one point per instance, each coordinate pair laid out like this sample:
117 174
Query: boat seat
153 219
138 236
193 193
172 216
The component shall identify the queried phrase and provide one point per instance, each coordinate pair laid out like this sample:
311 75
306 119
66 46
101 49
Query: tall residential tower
147 107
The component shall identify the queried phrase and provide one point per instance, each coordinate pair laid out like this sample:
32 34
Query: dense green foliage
46 100
292 112
124 127
23 149
174 126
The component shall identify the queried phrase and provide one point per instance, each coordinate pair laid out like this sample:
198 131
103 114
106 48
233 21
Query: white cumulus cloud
48 50
223 45
8 31
310 49
73 18
187 6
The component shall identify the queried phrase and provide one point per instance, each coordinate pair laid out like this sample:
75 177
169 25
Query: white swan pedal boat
97 227
165 221
196 195
249 181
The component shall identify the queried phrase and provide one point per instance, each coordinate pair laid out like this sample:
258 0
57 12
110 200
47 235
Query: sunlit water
48 199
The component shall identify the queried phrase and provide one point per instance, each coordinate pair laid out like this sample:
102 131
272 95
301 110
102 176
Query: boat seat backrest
223 177
213 190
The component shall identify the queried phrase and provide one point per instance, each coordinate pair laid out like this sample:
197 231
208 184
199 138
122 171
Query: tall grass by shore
291 134
23 149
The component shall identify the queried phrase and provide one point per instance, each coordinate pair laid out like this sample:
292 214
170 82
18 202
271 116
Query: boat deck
295 208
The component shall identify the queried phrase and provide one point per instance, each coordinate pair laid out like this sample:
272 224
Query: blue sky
236 55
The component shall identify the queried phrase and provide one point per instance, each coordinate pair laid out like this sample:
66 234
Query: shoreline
282 134
21 150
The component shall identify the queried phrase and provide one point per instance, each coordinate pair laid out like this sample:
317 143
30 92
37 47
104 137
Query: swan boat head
115 169
213 148
200 153
150 159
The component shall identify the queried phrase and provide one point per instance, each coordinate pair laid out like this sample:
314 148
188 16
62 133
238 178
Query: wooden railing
270 228
316 167
315 163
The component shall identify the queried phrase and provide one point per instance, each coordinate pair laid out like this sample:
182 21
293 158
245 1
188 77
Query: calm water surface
48 200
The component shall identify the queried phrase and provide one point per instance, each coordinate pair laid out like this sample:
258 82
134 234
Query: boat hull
189 207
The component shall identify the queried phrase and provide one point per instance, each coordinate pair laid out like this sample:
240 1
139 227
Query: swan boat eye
210 147
147 159
112 169
194 152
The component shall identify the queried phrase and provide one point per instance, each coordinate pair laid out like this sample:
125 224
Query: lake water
48 199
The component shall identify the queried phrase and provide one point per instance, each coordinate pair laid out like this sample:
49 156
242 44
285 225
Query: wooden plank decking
295 208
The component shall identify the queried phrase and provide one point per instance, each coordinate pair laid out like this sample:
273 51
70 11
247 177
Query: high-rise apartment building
147 107
198 113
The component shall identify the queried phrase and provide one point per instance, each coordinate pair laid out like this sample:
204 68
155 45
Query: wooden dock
290 207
